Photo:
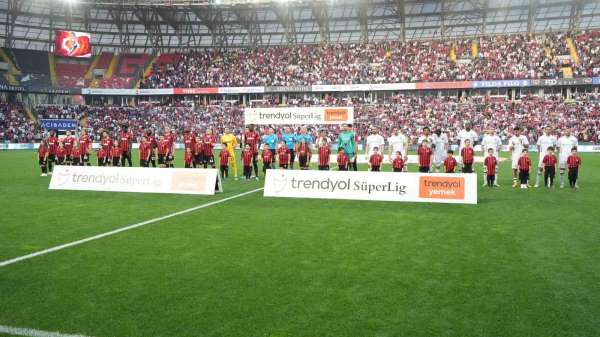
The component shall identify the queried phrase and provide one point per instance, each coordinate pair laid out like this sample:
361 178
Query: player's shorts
292 156
85 158
115 161
69 158
161 159
209 159
143 163
42 161
283 166
76 161
170 157
438 158
562 162
60 160
51 158
303 160
515 162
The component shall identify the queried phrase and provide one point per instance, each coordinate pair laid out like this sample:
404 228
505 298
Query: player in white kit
374 140
440 148
464 134
545 141
565 143
491 141
516 144
398 142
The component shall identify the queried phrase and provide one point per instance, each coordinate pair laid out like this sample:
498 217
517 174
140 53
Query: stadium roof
158 26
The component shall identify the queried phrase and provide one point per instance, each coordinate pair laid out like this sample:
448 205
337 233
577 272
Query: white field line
119 230
33 332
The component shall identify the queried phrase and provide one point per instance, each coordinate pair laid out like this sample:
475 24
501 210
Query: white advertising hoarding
380 186
135 179
299 115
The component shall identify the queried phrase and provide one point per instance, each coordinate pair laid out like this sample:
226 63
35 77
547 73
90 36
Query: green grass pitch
520 263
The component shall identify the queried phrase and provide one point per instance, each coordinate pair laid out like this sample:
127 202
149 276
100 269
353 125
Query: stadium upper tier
485 58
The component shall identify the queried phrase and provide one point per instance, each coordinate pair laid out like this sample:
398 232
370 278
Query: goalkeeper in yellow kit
229 140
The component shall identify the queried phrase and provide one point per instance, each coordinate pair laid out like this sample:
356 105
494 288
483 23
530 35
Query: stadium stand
518 56
412 113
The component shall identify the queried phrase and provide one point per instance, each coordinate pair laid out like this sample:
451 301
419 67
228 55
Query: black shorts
397 170
60 160
42 161
51 158
468 168
283 166
375 168
143 163
198 159
208 159
550 171
303 160
85 158
170 157
116 161
423 169
224 167
161 159
324 167
69 158
343 168
76 161
292 156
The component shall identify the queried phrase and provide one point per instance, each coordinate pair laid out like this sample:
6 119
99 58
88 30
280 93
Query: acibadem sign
381 186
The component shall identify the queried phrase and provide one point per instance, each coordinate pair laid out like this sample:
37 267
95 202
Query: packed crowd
517 56
410 113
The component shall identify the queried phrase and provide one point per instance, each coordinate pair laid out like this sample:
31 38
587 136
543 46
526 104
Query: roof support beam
286 18
321 16
363 17
575 17
531 15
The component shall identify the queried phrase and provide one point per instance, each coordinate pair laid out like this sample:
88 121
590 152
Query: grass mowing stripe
33 332
122 229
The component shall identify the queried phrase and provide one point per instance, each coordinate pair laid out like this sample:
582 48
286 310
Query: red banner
72 44
444 85
195 91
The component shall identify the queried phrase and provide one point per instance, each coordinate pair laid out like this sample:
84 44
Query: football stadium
296 168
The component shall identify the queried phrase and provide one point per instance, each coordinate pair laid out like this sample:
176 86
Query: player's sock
537 179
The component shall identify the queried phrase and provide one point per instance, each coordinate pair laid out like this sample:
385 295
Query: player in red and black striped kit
304 154
163 150
125 142
375 160
189 140
154 145
247 159
170 137
549 162
42 155
76 155
573 163
425 155
85 145
490 162
224 163
283 156
252 138
324 152
267 158
467 155
398 162
188 158
52 147
342 160
68 140
450 162
115 155
61 154
145 150
524 165
208 141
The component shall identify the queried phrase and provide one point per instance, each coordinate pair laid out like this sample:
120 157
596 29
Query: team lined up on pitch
434 153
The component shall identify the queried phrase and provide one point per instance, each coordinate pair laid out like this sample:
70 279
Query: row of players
199 153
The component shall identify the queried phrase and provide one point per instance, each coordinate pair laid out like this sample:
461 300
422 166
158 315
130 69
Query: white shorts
438 158
541 162
562 162
515 162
